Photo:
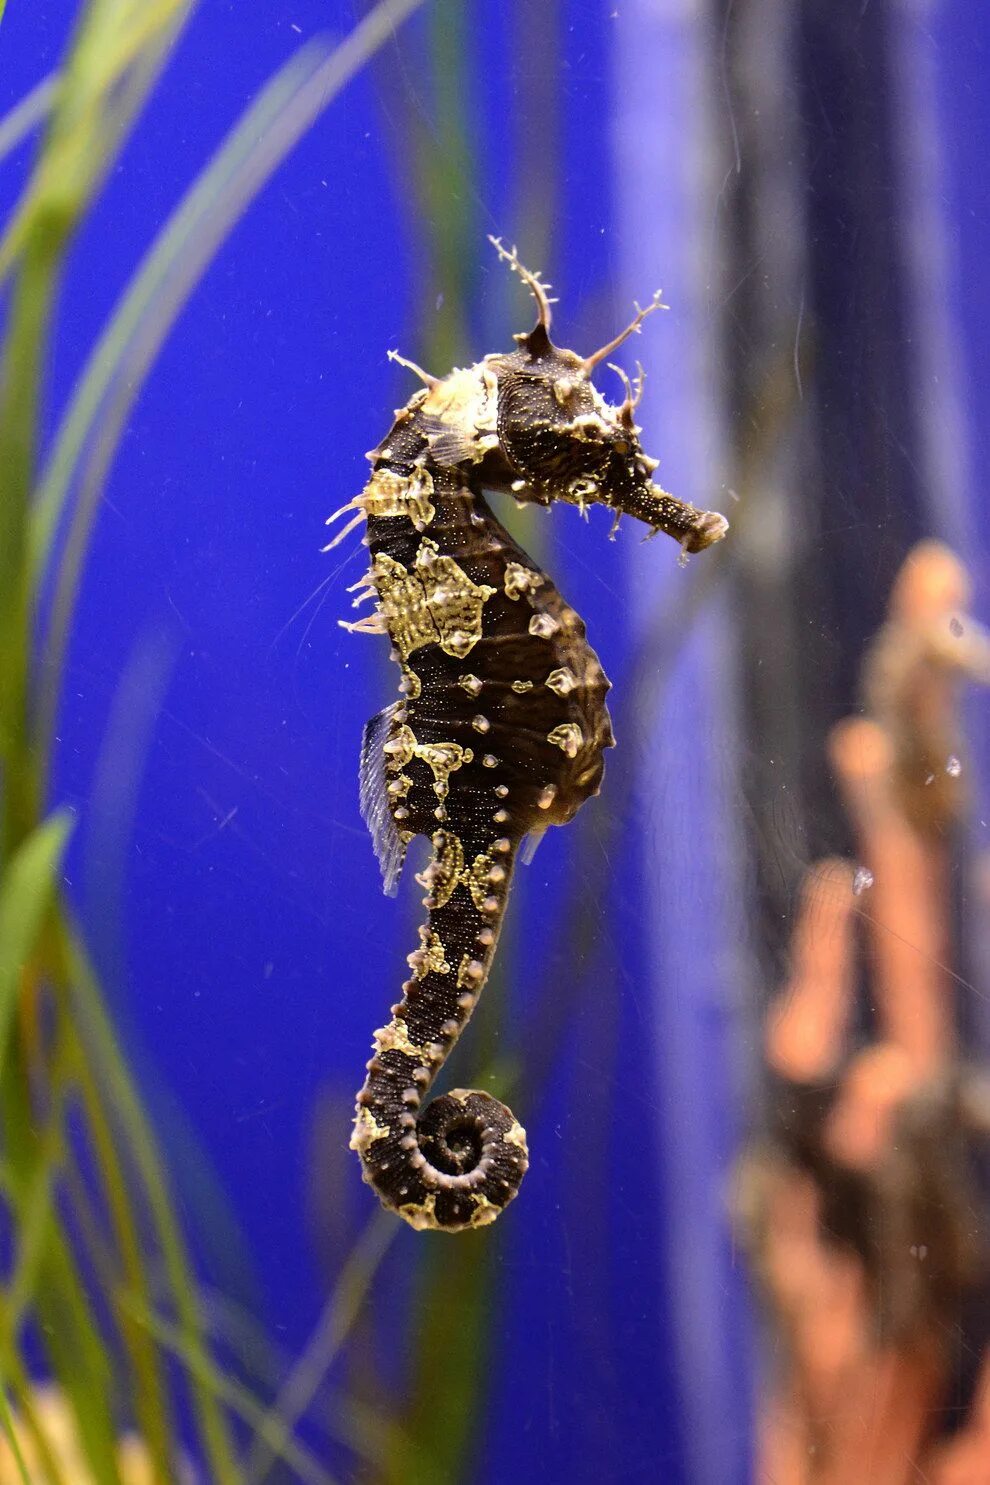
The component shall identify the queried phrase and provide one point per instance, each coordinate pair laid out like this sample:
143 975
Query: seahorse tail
474 1157
459 1160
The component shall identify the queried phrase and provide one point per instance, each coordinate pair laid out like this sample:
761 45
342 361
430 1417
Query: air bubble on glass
862 881
952 766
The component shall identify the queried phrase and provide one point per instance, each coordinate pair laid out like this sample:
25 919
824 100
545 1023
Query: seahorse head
562 440
532 423
560 435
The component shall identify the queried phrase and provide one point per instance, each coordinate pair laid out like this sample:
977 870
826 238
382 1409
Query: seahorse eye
549 428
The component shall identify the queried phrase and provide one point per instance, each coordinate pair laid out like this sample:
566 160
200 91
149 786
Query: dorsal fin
373 781
529 844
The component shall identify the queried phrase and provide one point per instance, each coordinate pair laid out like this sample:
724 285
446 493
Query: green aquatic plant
99 1269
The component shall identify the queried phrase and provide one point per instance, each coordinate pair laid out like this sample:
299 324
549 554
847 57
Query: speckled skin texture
502 725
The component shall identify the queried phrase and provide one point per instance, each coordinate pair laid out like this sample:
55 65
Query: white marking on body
568 737
561 681
543 626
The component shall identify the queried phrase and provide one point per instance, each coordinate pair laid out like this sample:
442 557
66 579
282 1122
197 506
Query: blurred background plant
98 1286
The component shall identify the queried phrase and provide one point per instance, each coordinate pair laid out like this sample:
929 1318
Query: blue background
213 709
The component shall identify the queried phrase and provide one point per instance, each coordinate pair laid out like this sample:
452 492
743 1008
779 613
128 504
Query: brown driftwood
861 1211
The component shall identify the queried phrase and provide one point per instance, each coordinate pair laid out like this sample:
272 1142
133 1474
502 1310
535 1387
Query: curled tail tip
462 1169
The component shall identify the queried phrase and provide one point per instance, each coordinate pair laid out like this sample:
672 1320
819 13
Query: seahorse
501 725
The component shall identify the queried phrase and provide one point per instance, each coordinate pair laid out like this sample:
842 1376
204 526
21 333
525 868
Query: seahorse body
501 727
